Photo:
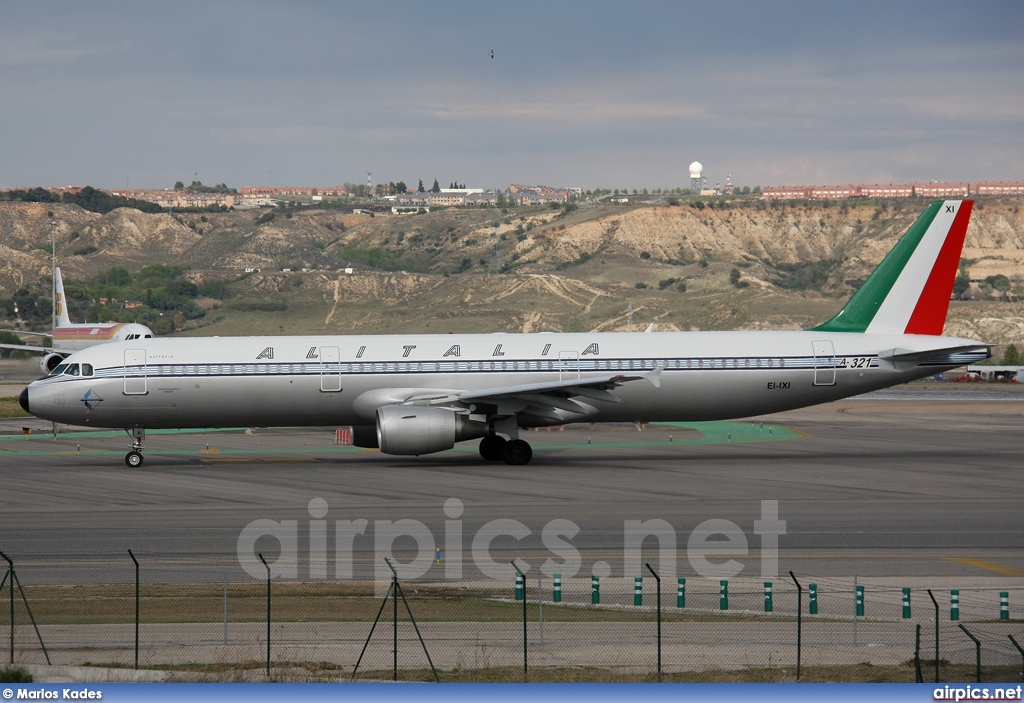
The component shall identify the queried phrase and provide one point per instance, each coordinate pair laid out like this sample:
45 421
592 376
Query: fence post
977 653
1021 650
521 577
136 608
24 599
858 606
268 611
556 592
906 603
723 595
638 590
1004 605
799 620
936 603
10 574
768 605
812 598
398 590
954 604
658 580
681 593
595 589
917 655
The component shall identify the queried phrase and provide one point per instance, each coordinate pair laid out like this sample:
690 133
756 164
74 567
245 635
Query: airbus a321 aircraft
69 337
418 394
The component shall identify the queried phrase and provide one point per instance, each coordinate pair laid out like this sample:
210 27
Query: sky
588 94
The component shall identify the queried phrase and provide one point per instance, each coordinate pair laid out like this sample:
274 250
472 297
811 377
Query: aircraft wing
29 347
540 398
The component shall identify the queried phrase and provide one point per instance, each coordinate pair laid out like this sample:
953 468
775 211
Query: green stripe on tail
858 313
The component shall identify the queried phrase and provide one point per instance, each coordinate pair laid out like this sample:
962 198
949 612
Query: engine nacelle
418 429
48 362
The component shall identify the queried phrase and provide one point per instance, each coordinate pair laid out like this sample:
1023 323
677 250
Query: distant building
1000 188
933 189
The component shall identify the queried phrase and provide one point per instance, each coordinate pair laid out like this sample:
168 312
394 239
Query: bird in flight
492 53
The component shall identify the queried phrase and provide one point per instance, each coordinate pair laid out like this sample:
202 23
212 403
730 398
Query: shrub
15 674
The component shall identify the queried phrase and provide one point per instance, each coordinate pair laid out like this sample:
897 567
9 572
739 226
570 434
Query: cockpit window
149 336
58 370
72 370
87 369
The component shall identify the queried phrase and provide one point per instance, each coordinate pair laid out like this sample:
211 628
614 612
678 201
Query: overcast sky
590 94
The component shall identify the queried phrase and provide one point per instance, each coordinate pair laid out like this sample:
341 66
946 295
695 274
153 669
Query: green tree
436 188
962 283
1012 356
178 185
420 188
998 282
116 276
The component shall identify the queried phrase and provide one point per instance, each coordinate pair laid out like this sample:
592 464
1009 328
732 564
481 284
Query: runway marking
989 566
97 434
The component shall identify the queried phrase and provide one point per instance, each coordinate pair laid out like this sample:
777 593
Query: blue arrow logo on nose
91 400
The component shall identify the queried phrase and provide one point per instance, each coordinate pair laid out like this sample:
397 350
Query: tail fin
60 301
909 291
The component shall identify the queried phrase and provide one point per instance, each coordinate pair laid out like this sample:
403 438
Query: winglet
655 376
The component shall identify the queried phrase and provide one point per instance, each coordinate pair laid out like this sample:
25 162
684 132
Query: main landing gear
515 452
134 457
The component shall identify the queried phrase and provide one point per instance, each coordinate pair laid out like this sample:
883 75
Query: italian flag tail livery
909 292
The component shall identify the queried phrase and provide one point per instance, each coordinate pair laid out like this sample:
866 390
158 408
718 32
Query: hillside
529 269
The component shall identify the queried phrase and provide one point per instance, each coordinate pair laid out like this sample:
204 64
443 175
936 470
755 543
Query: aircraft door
568 365
135 372
824 363
330 370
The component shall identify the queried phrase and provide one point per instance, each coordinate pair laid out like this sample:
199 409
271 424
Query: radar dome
695 169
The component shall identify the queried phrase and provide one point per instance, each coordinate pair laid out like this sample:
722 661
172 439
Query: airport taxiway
890 485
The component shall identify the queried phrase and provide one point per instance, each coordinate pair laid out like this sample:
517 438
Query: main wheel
492 447
133 459
518 452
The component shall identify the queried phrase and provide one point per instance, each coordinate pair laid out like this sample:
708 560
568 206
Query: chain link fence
205 621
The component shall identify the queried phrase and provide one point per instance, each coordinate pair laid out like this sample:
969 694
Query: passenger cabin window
87 369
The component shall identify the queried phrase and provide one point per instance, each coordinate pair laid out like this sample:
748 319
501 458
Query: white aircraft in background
418 394
68 337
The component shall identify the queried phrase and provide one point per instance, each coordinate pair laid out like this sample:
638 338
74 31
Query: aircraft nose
23 400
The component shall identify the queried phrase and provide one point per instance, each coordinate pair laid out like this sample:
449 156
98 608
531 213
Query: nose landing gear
134 458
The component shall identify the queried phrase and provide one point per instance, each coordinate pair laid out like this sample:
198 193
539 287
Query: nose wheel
134 458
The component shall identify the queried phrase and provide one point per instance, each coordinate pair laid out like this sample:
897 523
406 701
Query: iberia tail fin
60 302
909 292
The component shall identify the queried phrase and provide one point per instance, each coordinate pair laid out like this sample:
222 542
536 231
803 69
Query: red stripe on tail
929 316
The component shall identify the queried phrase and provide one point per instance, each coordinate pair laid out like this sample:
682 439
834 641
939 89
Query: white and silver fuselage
342 380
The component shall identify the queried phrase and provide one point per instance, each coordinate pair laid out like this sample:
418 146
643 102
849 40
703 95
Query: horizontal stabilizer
900 359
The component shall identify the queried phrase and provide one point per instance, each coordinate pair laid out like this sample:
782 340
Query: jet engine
49 362
365 436
417 429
